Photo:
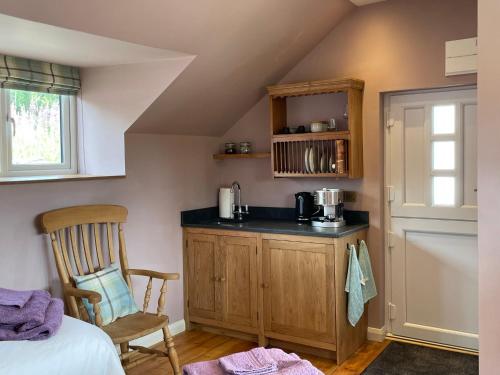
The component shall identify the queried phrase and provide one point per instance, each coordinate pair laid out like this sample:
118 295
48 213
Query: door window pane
443 119
443 155
36 128
443 191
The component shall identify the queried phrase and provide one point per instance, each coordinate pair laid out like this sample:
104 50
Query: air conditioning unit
461 57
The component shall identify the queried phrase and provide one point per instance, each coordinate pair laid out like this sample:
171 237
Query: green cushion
117 301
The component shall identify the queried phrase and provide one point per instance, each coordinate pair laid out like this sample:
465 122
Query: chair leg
124 349
172 353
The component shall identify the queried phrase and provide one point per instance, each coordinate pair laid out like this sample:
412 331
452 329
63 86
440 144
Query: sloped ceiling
240 47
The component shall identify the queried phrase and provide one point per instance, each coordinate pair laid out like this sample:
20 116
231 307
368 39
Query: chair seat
133 326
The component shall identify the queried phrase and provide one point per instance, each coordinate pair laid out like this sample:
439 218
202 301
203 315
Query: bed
78 348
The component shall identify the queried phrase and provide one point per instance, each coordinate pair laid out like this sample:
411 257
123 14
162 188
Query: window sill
54 178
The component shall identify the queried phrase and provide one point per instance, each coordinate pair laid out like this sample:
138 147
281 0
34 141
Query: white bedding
78 348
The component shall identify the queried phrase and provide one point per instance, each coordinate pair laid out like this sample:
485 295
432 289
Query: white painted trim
157 337
376 334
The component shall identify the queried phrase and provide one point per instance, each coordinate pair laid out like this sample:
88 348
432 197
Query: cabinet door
299 294
239 280
204 292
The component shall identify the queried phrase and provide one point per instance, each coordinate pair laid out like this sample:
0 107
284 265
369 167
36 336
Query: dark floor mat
407 359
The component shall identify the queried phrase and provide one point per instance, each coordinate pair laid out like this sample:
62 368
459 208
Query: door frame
385 107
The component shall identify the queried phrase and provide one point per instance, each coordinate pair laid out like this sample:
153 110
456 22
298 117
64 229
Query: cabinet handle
222 279
213 278
265 285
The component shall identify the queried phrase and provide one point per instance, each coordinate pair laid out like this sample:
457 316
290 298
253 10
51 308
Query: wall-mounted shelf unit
327 154
253 155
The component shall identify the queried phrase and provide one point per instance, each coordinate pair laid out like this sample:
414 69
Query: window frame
68 142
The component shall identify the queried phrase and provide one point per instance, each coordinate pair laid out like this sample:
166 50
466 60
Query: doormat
408 359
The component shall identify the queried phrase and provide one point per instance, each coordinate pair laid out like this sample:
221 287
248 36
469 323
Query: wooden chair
80 237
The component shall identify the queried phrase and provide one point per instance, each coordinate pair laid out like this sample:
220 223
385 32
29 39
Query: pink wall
489 186
393 45
165 174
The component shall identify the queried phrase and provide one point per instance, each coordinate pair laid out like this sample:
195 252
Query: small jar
230 148
245 147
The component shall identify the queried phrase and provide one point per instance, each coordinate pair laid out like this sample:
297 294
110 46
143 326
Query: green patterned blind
32 75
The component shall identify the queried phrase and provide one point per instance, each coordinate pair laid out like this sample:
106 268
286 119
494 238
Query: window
444 147
38 134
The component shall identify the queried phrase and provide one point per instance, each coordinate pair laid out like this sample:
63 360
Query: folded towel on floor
30 315
14 298
287 364
254 362
203 368
353 283
368 286
50 325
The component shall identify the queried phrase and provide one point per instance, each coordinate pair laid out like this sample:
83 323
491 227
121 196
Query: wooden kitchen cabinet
222 280
299 293
204 268
239 287
272 288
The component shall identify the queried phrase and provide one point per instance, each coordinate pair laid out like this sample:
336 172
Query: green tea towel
368 284
355 303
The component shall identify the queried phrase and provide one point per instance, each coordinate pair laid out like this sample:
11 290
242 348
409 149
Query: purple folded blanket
15 298
50 325
31 314
285 364
254 362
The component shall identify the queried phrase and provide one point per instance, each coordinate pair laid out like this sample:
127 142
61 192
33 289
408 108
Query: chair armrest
153 274
92 296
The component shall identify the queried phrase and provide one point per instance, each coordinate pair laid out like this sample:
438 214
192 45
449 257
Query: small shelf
253 155
345 134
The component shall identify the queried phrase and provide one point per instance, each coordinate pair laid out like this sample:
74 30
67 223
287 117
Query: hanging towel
355 303
368 286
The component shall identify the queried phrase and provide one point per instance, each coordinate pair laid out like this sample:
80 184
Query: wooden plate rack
326 154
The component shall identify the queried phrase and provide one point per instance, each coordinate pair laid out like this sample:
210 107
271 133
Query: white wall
489 186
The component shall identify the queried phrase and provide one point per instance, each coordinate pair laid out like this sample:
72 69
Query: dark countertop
273 220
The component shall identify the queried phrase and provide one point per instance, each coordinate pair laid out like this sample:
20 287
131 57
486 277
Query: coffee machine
304 206
330 204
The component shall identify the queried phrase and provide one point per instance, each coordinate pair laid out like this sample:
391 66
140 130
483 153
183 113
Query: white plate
313 160
306 159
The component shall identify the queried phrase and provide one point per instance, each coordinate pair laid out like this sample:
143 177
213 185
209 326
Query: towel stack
258 361
29 315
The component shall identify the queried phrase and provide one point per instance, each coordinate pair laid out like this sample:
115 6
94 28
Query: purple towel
51 324
254 362
287 364
30 315
15 298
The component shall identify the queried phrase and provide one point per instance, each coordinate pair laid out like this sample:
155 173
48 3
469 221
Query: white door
432 216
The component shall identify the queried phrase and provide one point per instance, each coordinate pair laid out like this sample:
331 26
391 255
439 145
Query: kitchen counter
273 220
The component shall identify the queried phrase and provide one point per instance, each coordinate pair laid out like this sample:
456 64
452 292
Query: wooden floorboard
195 346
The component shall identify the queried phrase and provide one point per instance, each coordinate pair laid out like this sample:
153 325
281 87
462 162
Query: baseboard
376 334
156 337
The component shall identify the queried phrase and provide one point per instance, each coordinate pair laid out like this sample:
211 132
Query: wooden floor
195 346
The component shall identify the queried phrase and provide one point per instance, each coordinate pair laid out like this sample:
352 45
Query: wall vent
461 57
